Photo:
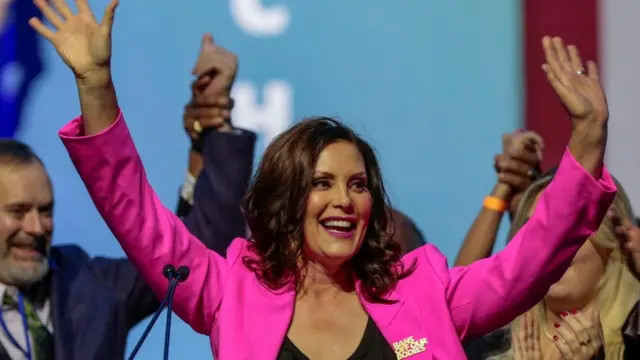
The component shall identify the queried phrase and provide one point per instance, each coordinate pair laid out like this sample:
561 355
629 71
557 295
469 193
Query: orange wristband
495 204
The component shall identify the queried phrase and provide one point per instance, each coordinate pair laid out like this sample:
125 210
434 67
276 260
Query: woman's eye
359 186
321 184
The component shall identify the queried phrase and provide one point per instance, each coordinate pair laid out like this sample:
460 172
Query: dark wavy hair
275 207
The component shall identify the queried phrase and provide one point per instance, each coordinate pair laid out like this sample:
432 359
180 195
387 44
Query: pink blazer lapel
267 320
269 315
401 325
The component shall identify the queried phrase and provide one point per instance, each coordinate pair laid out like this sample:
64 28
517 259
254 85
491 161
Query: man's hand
517 165
521 155
201 116
218 63
211 104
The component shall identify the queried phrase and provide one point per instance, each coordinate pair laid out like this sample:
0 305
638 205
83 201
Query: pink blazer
437 306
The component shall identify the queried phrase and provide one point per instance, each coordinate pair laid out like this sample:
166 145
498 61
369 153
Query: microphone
174 276
183 272
180 275
168 271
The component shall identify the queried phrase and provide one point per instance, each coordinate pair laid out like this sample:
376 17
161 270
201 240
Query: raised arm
216 217
520 158
103 152
211 209
492 292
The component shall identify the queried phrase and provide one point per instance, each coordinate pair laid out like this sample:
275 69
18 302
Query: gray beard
22 277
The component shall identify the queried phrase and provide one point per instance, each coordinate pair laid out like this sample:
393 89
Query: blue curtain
19 50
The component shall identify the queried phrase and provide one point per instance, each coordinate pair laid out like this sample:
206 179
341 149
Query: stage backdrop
432 85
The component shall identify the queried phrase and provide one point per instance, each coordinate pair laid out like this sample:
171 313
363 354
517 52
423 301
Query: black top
373 346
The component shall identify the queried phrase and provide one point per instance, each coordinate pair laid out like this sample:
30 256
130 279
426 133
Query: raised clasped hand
219 65
206 112
82 42
579 89
519 160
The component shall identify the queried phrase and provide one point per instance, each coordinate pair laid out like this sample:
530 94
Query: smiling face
26 223
338 206
318 201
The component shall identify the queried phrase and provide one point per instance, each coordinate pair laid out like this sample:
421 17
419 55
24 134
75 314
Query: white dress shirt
186 192
15 324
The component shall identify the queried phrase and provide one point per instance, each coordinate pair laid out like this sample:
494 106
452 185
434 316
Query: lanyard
23 315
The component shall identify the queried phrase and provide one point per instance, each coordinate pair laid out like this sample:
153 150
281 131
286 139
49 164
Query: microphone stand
180 275
174 277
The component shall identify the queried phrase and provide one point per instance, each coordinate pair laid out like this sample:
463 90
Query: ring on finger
580 72
197 127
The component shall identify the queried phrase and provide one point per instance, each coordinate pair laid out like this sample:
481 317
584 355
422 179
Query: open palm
526 339
82 42
580 91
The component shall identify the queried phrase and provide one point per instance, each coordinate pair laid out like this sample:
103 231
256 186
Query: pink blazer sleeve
490 293
150 234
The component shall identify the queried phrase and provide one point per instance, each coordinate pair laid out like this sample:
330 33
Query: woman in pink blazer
320 279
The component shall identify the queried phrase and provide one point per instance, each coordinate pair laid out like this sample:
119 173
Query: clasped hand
577 337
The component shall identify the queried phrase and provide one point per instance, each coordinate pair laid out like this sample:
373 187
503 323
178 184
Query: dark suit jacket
96 301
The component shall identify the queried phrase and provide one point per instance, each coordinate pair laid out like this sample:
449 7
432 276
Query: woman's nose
341 198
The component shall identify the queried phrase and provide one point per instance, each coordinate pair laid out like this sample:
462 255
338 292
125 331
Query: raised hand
580 92
518 164
526 341
519 160
82 42
629 236
220 64
578 336
205 113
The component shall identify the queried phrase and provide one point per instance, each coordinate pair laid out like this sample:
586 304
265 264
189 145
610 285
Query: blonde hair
618 289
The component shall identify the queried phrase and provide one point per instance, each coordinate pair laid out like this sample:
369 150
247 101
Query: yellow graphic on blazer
409 347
